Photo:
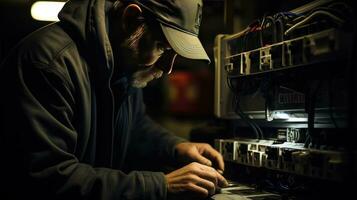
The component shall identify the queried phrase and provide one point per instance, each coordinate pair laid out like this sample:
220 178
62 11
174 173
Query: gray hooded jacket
63 133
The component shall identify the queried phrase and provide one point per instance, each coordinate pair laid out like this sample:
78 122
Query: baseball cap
180 21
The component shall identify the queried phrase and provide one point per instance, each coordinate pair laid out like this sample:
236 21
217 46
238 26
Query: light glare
46 10
281 115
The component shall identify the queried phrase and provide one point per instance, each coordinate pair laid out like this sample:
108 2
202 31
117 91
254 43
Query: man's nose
166 61
164 46
167 46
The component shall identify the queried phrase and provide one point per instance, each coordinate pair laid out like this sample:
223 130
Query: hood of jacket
87 21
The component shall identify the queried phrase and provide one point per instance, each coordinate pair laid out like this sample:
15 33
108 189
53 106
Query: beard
141 78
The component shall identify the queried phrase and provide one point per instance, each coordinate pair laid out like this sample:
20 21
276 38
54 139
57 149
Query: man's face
151 46
142 49
144 45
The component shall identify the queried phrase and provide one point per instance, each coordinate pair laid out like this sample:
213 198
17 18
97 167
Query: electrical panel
283 84
275 64
286 157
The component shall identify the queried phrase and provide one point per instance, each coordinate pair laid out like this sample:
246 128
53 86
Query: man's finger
200 191
215 156
209 172
199 158
221 180
204 183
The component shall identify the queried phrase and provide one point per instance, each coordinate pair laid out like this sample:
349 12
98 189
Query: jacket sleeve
44 101
150 140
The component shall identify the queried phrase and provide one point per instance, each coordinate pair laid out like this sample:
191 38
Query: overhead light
46 10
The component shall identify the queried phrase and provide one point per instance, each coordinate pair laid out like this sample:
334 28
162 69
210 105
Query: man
72 116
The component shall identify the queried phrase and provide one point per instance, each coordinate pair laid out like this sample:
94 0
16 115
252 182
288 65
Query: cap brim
185 44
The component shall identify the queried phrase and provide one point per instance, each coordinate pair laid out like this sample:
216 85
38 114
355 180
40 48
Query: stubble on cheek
141 78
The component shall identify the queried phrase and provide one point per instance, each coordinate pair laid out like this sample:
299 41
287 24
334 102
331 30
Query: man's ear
131 17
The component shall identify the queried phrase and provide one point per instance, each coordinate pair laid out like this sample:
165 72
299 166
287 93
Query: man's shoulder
45 44
49 49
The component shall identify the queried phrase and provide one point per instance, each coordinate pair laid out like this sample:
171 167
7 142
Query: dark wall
15 23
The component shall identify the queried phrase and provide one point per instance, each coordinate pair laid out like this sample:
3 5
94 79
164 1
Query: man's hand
193 181
200 152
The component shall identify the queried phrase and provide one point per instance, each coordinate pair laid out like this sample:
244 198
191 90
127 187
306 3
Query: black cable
331 10
331 103
243 116
311 120
260 131
281 20
310 108
265 22
280 29
317 15
236 107
244 46
251 26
